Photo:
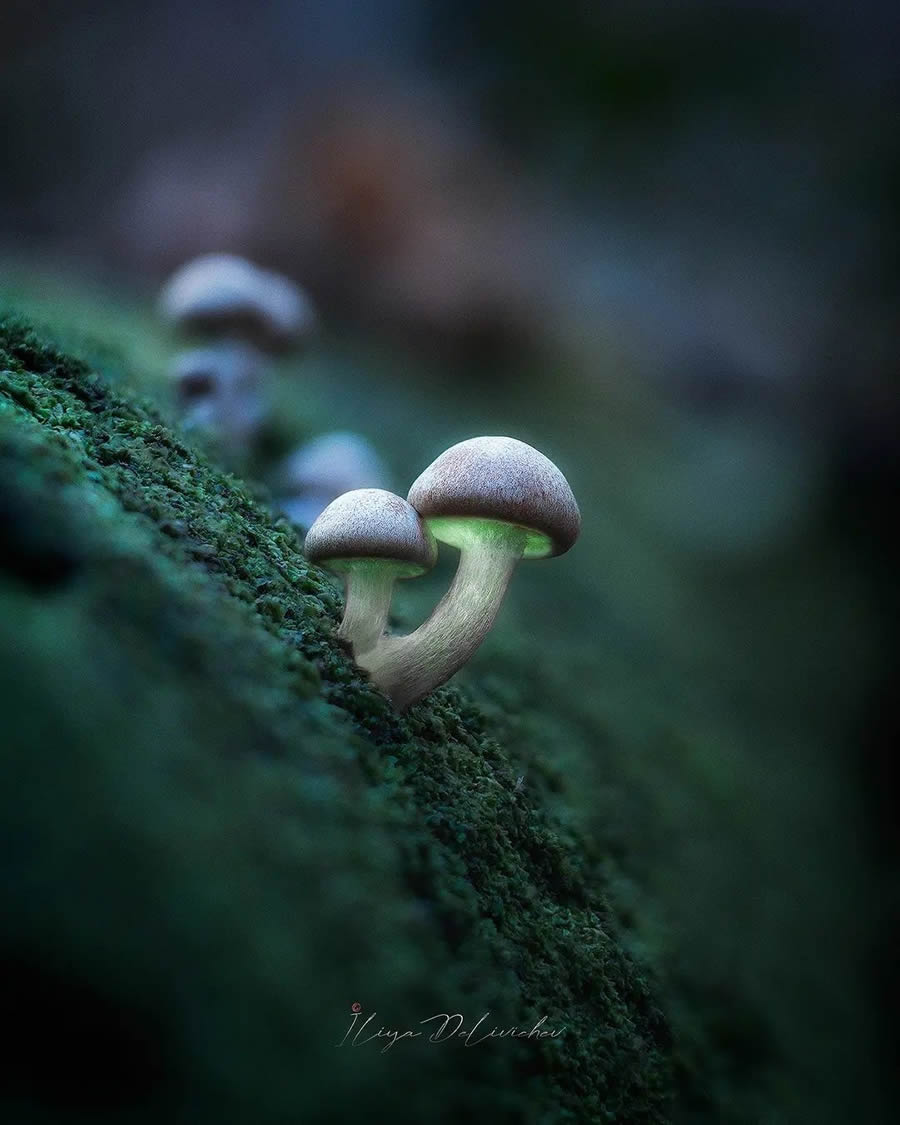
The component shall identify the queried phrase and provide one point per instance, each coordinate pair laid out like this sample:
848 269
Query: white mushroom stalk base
408 668
368 586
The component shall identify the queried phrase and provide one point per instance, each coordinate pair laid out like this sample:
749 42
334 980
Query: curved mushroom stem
408 668
367 601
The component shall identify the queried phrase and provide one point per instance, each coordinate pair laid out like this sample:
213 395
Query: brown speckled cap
371 523
500 478
222 294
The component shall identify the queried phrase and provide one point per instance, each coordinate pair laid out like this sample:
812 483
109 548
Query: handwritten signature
451 1028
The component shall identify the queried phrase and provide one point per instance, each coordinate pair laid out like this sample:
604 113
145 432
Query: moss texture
219 836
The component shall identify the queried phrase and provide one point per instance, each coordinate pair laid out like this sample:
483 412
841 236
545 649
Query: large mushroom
499 501
371 538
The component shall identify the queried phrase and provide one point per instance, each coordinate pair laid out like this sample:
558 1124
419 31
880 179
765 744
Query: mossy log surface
218 836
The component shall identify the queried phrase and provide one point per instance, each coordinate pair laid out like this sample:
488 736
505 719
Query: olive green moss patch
218 836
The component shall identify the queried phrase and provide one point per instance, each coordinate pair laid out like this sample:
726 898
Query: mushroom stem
408 668
367 601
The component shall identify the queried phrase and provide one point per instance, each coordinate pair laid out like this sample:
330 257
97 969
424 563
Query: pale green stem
408 668
367 602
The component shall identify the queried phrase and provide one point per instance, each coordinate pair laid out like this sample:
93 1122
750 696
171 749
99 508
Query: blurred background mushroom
222 296
323 469
220 391
240 312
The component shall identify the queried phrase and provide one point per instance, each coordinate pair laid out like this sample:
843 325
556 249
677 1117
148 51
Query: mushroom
498 500
223 295
218 391
371 537
323 469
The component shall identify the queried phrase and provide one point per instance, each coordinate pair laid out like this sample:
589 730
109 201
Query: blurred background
659 242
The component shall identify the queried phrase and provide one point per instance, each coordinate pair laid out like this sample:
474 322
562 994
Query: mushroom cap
498 479
371 524
223 294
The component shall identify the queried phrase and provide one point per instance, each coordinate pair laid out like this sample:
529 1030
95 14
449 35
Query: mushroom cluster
497 500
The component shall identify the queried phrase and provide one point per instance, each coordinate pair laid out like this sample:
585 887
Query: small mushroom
219 392
325 468
221 295
498 500
371 537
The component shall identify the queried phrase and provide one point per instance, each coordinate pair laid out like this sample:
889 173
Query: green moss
221 835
